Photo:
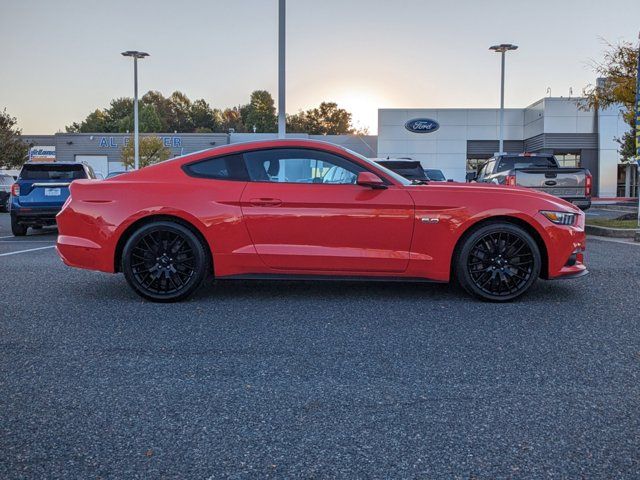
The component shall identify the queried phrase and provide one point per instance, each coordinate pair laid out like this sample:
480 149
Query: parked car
40 191
5 191
409 169
249 211
539 172
435 175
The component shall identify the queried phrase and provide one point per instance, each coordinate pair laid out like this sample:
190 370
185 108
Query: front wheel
498 262
164 261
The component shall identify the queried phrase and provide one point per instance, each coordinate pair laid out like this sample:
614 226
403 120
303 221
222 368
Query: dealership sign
111 142
42 154
422 125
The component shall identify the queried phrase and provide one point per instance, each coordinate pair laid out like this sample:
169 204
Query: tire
164 262
17 229
498 262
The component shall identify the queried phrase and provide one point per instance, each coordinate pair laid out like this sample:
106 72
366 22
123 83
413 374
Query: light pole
282 119
136 145
502 48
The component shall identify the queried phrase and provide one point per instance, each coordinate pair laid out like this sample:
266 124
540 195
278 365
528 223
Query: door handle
265 202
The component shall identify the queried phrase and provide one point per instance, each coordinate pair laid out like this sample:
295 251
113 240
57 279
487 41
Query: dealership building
453 140
457 140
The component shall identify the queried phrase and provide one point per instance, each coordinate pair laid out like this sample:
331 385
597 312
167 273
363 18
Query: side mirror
472 176
368 179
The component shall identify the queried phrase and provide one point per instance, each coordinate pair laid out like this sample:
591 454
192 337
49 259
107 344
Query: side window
488 169
299 165
482 173
229 167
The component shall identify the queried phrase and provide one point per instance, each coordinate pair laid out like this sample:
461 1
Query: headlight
560 218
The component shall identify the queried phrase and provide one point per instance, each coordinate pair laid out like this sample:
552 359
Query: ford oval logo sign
422 125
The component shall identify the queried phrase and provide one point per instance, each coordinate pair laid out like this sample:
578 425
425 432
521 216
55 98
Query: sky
61 59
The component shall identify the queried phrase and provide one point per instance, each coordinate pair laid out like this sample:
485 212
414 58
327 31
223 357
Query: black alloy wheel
498 262
164 261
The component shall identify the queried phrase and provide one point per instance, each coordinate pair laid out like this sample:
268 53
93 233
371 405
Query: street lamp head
503 47
135 54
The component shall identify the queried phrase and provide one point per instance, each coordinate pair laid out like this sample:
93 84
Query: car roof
52 164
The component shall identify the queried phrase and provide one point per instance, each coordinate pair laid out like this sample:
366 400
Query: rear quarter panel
103 211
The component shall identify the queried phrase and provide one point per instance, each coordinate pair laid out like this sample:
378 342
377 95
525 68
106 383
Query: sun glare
363 106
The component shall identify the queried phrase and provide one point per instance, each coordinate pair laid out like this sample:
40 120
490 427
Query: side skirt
325 278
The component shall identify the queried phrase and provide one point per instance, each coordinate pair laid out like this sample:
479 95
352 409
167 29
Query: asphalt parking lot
316 380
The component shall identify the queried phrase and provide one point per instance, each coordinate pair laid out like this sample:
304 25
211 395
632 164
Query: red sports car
307 209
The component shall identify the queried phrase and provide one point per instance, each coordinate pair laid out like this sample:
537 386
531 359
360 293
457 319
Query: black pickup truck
540 172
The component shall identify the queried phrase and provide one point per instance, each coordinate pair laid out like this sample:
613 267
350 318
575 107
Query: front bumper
571 276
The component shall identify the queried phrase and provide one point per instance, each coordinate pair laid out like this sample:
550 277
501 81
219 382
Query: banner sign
42 154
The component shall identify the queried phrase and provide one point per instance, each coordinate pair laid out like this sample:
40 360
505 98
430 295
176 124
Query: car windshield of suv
510 163
435 175
408 169
398 178
52 172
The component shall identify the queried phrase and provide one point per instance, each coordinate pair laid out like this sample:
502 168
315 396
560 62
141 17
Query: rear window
6 180
229 167
509 163
52 172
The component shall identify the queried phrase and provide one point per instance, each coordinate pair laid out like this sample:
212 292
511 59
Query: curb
613 232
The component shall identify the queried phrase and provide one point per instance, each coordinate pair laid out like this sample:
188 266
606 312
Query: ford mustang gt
307 209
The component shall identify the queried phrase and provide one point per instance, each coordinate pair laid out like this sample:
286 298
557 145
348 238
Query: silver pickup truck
540 172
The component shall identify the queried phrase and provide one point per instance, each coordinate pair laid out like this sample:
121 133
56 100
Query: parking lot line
25 251
26 241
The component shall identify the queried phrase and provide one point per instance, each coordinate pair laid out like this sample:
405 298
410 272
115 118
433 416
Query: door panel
329 227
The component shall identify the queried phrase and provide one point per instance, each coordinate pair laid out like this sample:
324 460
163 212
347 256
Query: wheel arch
526 226
126 234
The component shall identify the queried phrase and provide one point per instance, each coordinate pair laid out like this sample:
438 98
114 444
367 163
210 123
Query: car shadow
114 287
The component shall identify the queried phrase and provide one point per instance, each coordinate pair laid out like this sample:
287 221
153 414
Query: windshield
398 178
408 169
435 175
52 172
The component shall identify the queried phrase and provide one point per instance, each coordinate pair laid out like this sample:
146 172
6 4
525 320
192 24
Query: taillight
15 190
511 180
588 181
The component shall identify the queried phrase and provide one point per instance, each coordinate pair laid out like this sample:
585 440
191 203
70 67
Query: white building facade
458 140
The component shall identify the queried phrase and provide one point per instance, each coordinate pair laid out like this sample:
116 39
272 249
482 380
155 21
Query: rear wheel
17 229
164 261
498 262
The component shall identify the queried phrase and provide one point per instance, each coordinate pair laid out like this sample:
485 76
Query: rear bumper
82 253
35 215
582 203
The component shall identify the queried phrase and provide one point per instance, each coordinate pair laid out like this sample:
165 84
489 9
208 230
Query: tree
260 113
163 108
327 119
203 117
230 118
13 150
152 150
180 120
618 87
